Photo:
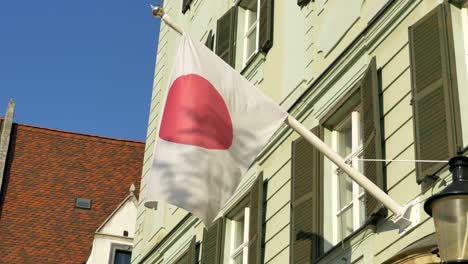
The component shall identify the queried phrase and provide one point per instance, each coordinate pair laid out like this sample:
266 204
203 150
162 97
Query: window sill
252 64
369 224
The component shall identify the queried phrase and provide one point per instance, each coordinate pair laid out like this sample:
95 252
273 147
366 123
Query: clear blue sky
85 66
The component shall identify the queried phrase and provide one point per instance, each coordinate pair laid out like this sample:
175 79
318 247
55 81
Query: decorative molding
156 253
364 44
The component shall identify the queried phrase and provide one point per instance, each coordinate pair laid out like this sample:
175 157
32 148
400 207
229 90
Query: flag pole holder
405 217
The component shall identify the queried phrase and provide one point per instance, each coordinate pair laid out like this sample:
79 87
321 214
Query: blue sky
85 66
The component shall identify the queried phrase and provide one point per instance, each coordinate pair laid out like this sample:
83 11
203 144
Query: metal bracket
410 217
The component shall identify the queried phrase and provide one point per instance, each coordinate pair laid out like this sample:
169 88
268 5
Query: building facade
375 79
61 190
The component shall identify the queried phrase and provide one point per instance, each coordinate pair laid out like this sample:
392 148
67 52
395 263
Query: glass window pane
122 257
346 189
239 232
345 137
251 43
238 259
362 210
251 18
345 223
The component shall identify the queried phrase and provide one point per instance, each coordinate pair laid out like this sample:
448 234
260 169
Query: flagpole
159 12
358 177
402 213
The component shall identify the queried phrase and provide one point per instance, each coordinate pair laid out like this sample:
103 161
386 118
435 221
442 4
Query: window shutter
213 243
255 222
191 253
433 80
186 5
210 40
306 201
226 36
371 134
303 3
183 259
266 25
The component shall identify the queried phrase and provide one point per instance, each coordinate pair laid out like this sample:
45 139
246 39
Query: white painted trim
244 247
248 31
356 150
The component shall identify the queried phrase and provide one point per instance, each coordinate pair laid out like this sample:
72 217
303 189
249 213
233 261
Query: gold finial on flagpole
158 11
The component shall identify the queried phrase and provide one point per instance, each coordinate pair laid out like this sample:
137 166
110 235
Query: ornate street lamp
449 209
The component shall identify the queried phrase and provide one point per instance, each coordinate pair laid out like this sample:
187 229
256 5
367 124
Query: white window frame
249 31
357 193
244 247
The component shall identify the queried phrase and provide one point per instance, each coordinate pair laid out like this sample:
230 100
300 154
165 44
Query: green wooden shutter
302 3
182 259
210 40
186 5
371 134
255 222
306 201
434 90
265 40
226 36
191 253
213 243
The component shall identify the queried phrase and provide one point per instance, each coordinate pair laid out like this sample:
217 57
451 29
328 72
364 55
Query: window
120 254
197 252
239 238
250 45
348 202
122 257
244 30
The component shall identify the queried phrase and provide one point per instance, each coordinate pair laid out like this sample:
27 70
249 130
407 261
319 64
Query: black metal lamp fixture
449 209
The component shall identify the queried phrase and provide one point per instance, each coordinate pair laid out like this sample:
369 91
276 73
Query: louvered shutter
265 40
306 201
302 3
433 79
213 243
226 36
183 259
210 40
186 5
255 222
191 253
371 134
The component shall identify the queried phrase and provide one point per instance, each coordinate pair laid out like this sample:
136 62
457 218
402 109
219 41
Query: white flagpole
159 12
358 177
401 213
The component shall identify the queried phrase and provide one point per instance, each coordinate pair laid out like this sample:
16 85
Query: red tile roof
46 170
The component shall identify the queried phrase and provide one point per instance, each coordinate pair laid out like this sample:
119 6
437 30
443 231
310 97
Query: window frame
248 31
118 247
349 102
356 203
243 248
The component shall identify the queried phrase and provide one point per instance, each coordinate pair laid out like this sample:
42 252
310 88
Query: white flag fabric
214 124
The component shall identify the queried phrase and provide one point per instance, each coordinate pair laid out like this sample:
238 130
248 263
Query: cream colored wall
102 246
112 232
293 64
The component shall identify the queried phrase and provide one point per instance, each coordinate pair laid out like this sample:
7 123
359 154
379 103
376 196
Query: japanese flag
213 126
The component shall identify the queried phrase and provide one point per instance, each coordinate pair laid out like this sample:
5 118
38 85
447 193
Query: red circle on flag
196 114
